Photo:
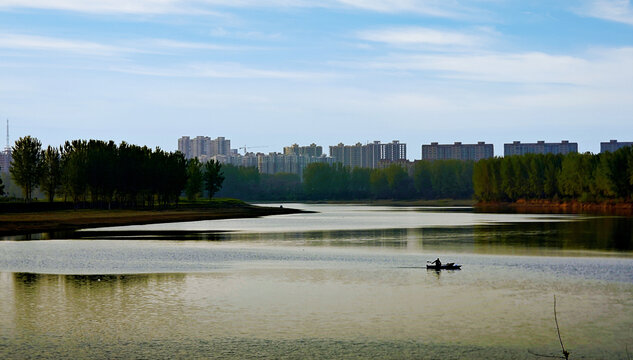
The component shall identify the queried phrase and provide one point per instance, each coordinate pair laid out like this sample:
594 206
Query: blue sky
273 73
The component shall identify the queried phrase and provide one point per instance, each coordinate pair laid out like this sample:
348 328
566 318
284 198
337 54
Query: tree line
425 180
584 177
100 174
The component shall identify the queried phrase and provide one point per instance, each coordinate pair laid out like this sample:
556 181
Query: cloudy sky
267 74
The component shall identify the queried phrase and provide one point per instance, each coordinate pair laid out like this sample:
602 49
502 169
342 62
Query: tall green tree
318 181
51 172
359 184
26 166
280 187
422 179
194 179
398 181
241 182
379 184
551 173
74 155
213 177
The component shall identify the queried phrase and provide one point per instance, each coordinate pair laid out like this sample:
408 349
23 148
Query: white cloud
108 6
221 70
439 8
604 67
30 42
612 10
149 7
61 45
160 44
403 36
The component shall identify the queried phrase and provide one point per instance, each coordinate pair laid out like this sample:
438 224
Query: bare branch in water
565 352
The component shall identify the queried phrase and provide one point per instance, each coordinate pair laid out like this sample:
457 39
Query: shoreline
68 220
389 202
558 207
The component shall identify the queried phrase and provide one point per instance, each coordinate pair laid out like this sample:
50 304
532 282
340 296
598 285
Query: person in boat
437 262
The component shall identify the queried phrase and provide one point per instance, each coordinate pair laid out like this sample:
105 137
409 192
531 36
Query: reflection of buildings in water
414 242
388 238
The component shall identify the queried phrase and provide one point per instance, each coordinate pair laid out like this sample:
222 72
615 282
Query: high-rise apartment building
457 151
203 148
220 146
200 146
613 145
184 146
540 147
394 151
311 150
348 155
369 155
274 163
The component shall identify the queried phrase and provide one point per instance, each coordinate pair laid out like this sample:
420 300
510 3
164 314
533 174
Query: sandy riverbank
65 220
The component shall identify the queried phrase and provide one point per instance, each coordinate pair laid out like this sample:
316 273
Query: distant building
348 155
540 147
247 160
613 145
393 151
274 163
457 151
369 155
5 160
184 146
220 146
203 147
312 150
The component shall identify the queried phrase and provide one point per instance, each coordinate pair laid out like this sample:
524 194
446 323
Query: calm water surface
347 282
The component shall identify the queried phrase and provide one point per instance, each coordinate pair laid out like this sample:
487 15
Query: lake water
345 282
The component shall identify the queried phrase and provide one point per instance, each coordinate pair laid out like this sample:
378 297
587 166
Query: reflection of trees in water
82 308
30 279
599 233
42 288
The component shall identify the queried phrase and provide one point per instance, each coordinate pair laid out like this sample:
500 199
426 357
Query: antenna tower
7 148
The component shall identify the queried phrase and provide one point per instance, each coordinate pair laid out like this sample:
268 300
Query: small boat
447 266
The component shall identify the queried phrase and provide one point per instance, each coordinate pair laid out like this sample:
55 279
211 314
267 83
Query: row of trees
583 177
103 173
426 180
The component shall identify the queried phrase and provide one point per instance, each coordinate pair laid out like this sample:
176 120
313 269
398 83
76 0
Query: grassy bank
27 222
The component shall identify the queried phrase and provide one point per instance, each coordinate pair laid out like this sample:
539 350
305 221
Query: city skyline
333 71
434 150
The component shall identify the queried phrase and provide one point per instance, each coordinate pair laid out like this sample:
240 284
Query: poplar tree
26 166
194 179
213 177
51 172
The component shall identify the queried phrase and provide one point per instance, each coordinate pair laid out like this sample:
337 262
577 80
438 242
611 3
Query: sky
267 74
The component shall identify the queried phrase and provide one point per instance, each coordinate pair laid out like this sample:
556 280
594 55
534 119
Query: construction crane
251 147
